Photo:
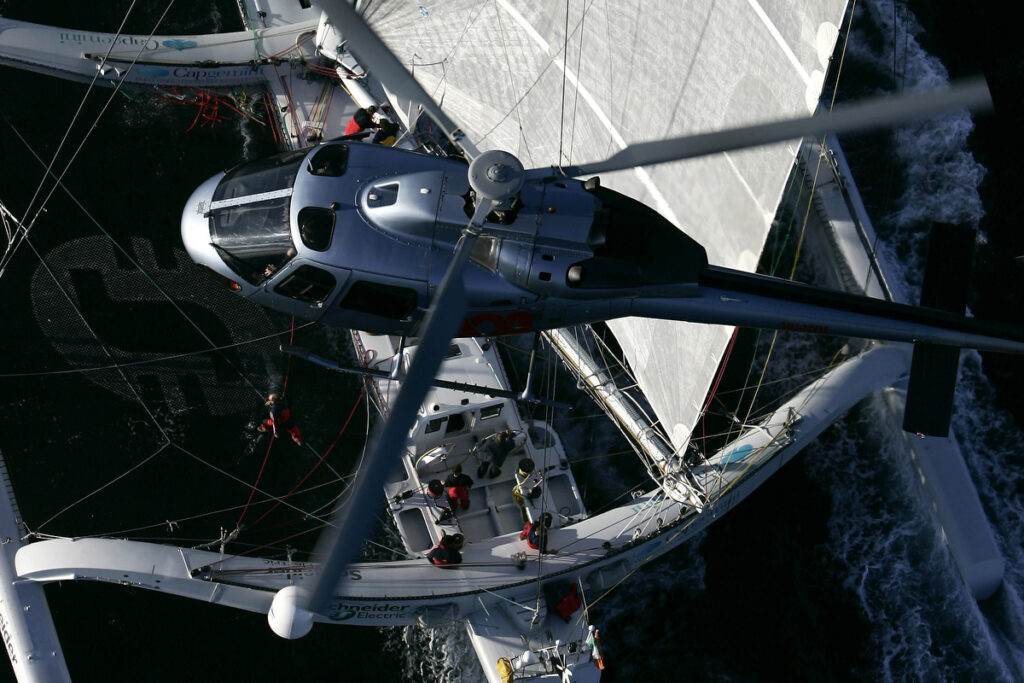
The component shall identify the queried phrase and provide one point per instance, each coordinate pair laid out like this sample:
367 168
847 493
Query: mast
668 471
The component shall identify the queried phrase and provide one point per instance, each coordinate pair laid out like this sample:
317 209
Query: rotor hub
496 175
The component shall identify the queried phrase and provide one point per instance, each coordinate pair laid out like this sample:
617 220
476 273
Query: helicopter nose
195 225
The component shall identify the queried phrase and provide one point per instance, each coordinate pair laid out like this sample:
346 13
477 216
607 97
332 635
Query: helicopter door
303 289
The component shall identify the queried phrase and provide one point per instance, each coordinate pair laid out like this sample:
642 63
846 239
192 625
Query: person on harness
280 419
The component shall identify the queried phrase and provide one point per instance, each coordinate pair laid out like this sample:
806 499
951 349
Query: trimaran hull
409 592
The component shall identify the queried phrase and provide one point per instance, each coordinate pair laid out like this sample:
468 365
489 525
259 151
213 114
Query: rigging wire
74 118
85 137
523 143
151 361
131 259
178 521
579 75
241 481
561 112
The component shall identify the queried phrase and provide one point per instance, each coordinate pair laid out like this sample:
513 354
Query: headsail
564 88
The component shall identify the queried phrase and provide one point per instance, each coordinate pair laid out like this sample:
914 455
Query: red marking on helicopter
496 324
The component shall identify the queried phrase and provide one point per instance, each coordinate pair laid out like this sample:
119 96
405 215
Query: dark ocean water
833 570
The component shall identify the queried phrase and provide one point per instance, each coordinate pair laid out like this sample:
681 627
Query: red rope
273 436
714 387
318 462
272 120
257 482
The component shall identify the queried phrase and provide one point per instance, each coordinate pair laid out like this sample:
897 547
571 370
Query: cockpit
249 216
251 206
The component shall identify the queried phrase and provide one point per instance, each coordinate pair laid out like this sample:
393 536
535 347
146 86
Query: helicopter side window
316 227
307 283
375 298
330 160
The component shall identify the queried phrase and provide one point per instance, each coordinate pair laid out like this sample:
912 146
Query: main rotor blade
353 520
378 57
880 112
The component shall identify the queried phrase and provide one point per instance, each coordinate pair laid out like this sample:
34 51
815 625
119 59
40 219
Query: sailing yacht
674 363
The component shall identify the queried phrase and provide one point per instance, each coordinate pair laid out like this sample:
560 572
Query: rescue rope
565 69
322 457
259 475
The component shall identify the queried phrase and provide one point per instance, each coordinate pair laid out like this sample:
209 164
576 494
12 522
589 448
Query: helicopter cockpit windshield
249 216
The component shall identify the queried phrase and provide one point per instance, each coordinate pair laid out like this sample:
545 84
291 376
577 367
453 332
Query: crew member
458 485
387 133
435 489
361 120
536 533
446 553
280 418
497 450
569 604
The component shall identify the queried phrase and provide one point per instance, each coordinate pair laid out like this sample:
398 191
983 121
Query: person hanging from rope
458 485
446 553
280 419
536 533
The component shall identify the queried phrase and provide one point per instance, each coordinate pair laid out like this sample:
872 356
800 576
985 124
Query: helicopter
359 235
403 243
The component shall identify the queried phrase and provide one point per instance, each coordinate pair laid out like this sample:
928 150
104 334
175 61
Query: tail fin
933 370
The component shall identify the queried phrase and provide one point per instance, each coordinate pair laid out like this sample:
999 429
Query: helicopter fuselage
359 236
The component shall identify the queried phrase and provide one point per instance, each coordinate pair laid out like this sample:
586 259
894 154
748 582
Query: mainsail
563 84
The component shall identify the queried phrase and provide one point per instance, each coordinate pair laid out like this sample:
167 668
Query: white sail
508 74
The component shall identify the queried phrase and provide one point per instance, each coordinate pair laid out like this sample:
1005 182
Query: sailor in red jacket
458 488
361 120
536 533
446 553
280 419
